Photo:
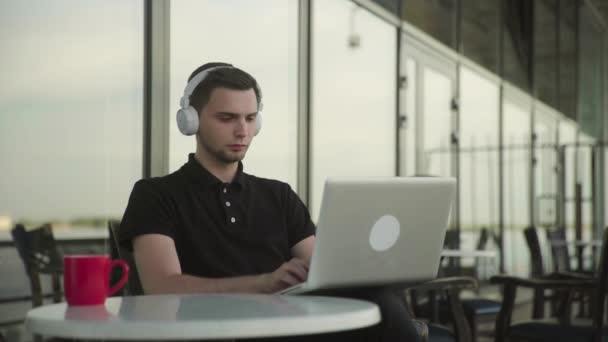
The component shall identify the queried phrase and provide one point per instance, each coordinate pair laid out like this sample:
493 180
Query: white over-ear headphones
187 116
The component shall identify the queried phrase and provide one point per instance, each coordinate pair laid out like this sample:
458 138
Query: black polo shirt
220 229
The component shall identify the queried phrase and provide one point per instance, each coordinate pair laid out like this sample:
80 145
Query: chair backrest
37 248
536 255
482 242
39 253
133 287
559 249
599 318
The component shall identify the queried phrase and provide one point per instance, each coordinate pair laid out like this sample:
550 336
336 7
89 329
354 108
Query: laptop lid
380 231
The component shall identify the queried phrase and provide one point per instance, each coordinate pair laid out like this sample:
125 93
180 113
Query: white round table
201 317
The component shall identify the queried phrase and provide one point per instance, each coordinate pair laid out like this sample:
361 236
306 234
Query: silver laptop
379 231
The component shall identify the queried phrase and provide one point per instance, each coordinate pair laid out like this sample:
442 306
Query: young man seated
210 227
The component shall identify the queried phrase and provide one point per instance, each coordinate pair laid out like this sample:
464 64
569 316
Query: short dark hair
231 78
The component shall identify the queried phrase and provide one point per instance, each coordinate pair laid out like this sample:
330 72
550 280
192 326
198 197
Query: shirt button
232 220
227 204
225 190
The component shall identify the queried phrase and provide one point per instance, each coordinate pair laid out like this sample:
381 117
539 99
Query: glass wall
437 18
517 31
409 121
71 132
545 51
567 57
547 193
567 140
584 177
436 122
353 110
478 150
591 80
70 110
516 134
479 32
232 32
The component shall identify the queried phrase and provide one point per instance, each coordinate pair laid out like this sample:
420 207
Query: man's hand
290 273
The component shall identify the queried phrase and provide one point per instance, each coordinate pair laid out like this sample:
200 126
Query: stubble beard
218 154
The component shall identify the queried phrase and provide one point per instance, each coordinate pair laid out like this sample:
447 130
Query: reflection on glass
436 124
479 151
516 167
71 104
265 48
353 130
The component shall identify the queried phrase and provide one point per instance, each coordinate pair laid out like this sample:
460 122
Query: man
210 227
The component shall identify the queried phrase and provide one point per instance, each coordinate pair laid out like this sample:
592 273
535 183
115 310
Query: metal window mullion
304 99
156 88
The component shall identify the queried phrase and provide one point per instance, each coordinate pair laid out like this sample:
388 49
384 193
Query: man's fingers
297 270
289 279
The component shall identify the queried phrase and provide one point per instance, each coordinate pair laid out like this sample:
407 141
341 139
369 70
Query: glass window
409 126
436 123
516 178
265 48
479 32
546 193
71 110
567 139
545 51
567 58
591 76
478 151
393 6
353 130
584 177
436 18
517 40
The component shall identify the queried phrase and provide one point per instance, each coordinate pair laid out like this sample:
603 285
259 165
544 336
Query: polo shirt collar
202 176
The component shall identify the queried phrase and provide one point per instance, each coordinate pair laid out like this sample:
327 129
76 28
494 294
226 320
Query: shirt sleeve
149 211
299 224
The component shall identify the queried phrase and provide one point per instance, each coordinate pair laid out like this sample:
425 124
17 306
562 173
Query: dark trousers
396 324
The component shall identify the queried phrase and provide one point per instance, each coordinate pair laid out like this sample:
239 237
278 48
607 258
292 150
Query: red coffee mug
86 278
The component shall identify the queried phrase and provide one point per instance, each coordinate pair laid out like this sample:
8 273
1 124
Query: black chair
477 310
39 253
480 310
559 300
133 287
450 288
559 249
555 330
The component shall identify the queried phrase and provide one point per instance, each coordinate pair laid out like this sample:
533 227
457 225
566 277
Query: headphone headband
194 82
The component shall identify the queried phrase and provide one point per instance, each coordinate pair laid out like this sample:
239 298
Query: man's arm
160 271
303 249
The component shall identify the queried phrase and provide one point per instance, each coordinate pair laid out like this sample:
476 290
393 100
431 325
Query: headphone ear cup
187 120
258 123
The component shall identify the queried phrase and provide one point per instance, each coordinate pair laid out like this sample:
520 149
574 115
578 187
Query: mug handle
125 275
